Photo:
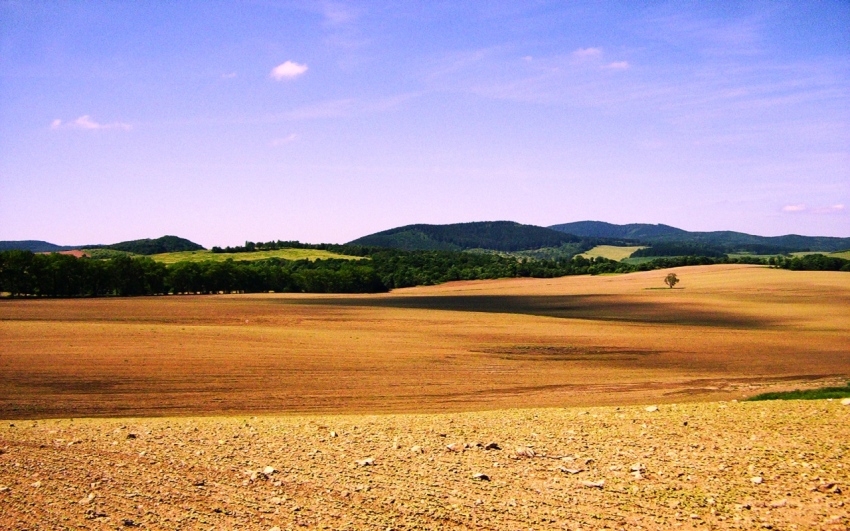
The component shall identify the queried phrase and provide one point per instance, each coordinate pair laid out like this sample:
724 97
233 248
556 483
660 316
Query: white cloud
336 13
85 122
229 75
585 54
618 65
284 140
288 70
832 209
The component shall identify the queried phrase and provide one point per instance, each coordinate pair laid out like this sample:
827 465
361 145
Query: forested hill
165 244
36 246
505 236
724 241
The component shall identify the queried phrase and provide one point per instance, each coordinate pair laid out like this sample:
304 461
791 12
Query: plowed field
725 332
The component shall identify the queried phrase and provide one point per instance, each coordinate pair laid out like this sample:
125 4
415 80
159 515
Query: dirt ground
729 332
748 465
574 403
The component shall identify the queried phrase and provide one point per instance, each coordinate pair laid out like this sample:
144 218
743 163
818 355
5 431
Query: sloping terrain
724 241
724 332
147 246
494 235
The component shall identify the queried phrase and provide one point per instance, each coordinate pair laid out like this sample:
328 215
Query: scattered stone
275 528
129 523
4 488
276 500
481 477
454 447
492 446
524 451
37 484
570 470
778 504
757 480
594 484
333 434
637 467
366 462
845 401
652 409
269 470
417 449
132 436
87 500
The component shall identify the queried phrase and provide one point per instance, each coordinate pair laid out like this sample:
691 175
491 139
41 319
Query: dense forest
23 273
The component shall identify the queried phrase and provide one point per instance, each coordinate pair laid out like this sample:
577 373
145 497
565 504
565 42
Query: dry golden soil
732 465
726 332
378 411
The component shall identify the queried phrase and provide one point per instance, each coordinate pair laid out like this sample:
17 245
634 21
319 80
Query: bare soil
730 332
755 465
610 403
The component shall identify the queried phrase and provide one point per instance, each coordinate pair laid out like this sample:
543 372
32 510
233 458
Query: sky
223 122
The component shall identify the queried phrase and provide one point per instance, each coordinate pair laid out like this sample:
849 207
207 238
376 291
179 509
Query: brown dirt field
505 345
685 466
729 332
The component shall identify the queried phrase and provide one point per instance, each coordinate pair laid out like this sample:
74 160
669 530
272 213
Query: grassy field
731 332
611 252
841 254
286 254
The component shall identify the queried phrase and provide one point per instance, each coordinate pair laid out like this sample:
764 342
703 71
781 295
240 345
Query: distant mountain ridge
507 236
725 241
146 246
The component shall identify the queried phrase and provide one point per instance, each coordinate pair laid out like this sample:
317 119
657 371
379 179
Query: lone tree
671 280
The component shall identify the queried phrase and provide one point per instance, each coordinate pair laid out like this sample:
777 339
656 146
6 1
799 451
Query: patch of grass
106 254
286 254
838 254
808 394
611 252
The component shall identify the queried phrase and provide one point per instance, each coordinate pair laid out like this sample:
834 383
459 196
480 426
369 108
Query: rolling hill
721 241
36 246
165 244
507 236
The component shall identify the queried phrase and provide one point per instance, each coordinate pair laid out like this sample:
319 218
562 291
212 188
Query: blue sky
324 121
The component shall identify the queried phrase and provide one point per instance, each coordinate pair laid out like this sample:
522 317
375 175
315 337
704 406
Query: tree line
23 273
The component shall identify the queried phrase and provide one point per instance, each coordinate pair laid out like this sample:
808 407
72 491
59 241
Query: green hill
36 246
165 244
507 236
717 241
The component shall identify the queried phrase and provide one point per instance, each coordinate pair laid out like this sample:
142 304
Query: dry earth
687 466
731 331
510 346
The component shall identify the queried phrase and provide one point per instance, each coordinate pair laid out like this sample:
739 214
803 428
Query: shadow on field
591 307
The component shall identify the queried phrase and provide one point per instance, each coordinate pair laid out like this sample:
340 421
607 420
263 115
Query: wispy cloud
337 14
229 75
618 65
288 139
288 70
587 54
348 107
85 122
801 208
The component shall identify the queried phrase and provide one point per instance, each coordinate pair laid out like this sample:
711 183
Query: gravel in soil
728 465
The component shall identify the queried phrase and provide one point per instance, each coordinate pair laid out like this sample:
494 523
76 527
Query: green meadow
285 254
